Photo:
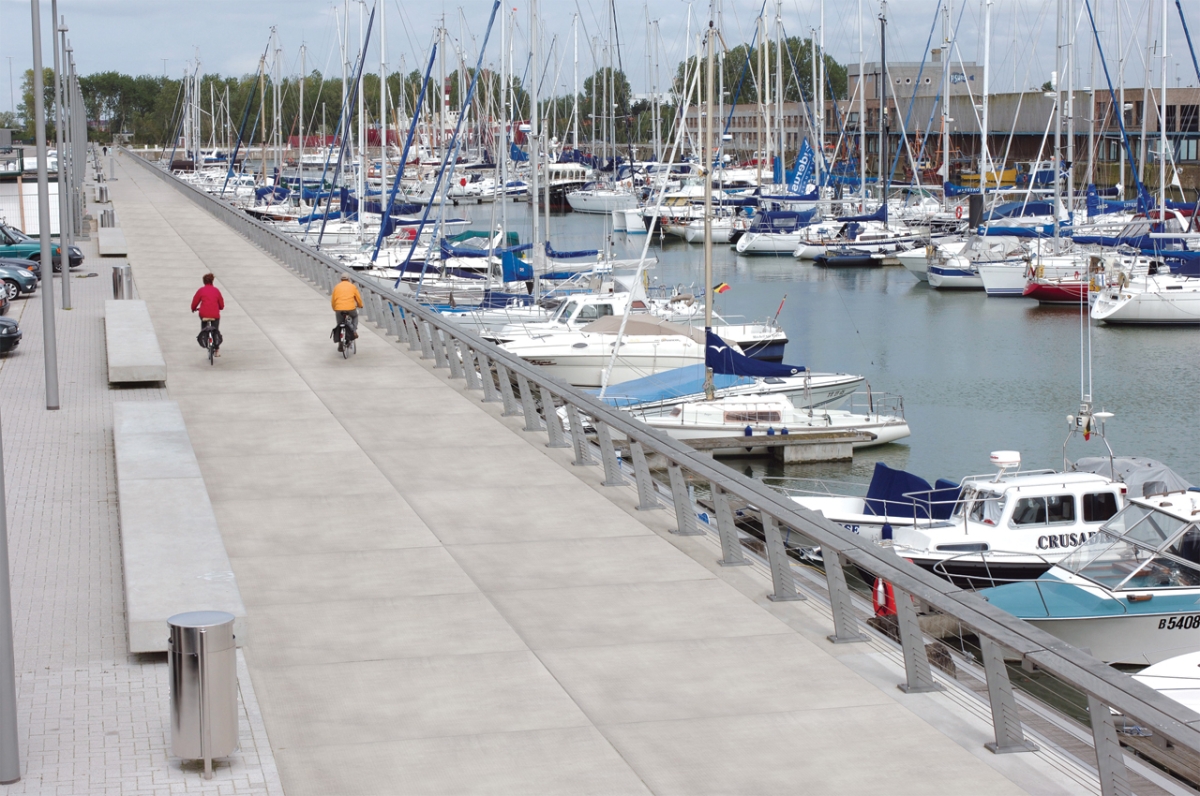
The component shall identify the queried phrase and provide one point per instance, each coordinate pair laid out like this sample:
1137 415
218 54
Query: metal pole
65 192
43 179
709 393
10 751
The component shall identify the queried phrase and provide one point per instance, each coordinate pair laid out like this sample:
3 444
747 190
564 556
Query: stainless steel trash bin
203 666
122 281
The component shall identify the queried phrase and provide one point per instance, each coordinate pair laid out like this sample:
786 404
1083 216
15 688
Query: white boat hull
1165 305
1135 639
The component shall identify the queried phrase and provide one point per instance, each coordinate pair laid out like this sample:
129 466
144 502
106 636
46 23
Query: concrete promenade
438 603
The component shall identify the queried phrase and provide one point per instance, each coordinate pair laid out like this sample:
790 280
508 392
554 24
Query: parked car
17 280
18 262
15 243
4 302
10 334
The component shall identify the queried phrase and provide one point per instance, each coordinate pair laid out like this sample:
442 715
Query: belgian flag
721 288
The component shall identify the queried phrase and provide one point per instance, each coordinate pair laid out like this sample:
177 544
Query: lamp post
43 180
65 193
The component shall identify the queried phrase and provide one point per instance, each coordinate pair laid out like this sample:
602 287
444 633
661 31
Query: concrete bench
133 352
171 547
111 242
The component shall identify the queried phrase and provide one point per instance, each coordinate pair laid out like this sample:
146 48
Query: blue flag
804 168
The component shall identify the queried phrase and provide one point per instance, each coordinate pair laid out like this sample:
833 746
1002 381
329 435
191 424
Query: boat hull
1134 639
1055 292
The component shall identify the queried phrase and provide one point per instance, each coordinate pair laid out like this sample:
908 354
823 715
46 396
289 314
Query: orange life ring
958 212
883 598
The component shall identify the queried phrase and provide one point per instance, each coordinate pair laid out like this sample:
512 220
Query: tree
740 69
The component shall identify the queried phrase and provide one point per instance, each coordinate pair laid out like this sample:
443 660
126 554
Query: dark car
32 266
15 243
10 334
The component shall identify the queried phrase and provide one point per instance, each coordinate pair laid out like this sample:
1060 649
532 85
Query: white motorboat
756 416
601 200
650 345
1177 677
1130 594
1142 291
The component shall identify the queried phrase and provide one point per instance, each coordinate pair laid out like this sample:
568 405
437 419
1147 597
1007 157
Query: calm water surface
976 374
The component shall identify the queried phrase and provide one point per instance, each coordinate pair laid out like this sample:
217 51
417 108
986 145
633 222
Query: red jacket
209 301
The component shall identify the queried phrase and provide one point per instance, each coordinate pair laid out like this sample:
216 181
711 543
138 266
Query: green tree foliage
797 72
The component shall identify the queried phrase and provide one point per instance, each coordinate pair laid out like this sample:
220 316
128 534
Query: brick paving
92 718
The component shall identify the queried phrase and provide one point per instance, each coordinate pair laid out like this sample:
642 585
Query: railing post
1005 719
685 512
845 624
426 340
731 546
1110 760
919 676
414 334
506 392
782 579
469 371
647 495
532 421
440 360
456 363
608 455
490 395
583 454
554 428
393 328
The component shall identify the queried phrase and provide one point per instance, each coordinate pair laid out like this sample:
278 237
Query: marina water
977 374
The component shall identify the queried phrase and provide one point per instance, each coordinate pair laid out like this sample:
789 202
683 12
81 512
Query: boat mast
779 86
262 106
383 114
1070 64
768 108
883 83
762 78
1056 78
819 95
985 162
709 393
361 187
1146 100
1162 129
862 114
946 16
1121 93
534 158
575 93
502 197
303 80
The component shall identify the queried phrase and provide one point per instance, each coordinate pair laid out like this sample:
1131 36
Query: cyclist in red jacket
209 302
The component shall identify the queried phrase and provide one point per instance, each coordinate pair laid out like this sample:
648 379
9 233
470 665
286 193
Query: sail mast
708 190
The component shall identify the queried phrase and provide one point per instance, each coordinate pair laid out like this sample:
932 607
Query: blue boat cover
1020 209
514 269
456 251
675 383
780 221
958 190
941 501
516 154
722 358
879 215
885 495
571 255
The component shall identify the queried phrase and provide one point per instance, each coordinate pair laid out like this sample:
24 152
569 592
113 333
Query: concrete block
133 351
173 556
111 242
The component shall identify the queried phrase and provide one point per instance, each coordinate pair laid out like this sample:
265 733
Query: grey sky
134 36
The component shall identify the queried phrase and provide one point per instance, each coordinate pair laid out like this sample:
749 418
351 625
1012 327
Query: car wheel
11 289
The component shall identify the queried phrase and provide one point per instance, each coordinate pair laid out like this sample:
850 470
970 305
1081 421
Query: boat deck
438 603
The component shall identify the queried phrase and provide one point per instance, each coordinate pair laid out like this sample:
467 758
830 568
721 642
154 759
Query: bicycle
345 339
208 337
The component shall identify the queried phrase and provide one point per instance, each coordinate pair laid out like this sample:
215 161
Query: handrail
440 339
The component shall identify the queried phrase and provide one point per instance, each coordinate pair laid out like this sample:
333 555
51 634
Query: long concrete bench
133 352
111 242
171 547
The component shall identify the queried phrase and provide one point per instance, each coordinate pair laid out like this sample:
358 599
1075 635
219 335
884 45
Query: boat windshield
981 506
1140 548
566 311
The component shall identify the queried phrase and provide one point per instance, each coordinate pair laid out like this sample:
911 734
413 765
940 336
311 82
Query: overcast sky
145 37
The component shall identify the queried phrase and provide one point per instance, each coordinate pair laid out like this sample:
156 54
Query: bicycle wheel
211 348
344 338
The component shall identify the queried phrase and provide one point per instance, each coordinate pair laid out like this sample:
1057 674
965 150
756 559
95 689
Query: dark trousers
350 318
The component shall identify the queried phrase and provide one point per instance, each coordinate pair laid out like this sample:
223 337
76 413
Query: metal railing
466 356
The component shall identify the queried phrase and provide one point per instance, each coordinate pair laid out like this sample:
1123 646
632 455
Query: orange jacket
345 297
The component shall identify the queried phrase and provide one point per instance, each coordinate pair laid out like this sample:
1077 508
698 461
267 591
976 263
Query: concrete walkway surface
438 603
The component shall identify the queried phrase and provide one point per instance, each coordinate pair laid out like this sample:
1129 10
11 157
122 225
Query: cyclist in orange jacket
346 301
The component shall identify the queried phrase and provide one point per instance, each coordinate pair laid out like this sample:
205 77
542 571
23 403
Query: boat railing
529 392
797 487
875 403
